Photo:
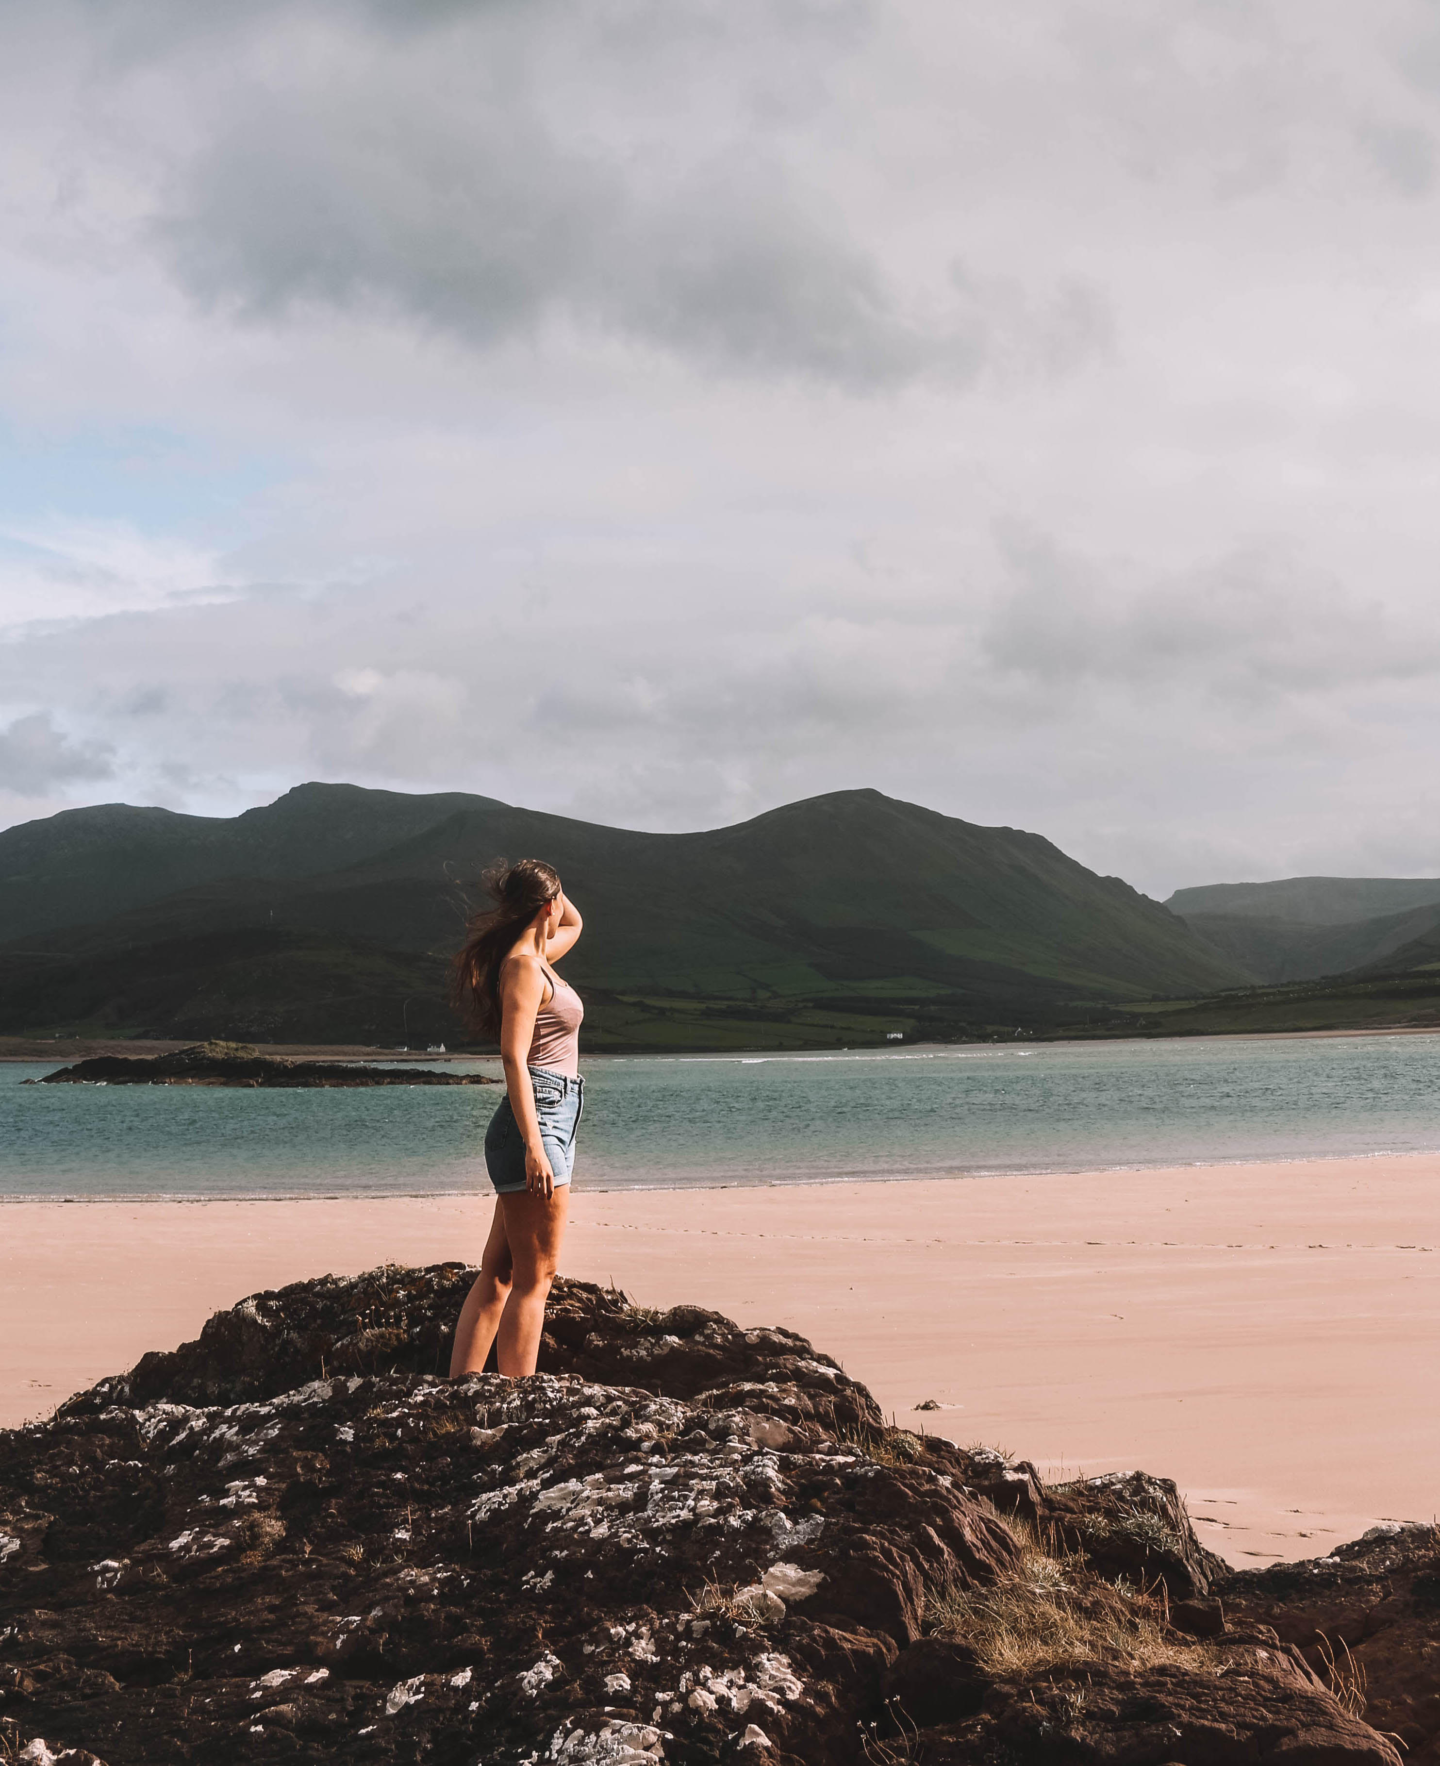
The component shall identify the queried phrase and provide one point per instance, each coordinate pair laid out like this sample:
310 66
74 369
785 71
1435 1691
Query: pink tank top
555 1043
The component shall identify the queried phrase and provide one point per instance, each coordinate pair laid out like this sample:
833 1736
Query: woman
503 980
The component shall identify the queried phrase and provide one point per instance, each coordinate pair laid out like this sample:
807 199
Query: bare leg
480 1315
535 1228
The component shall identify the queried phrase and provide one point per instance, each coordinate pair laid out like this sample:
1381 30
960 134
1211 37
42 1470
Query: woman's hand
539 1178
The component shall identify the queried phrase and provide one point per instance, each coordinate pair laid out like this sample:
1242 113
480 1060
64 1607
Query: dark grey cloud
481 213
35 757
653 174
499 230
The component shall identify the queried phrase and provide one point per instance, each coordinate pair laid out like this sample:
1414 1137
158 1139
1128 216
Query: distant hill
86 864
1311 901
1303 928
1421 955
1295 950
1324 953
328 916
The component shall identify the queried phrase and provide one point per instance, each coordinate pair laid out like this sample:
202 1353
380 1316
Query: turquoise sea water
661 1122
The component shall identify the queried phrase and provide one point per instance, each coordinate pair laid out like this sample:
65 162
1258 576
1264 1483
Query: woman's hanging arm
522 989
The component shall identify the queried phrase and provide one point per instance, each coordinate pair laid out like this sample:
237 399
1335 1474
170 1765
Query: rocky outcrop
1261 1710
1125 1524
238 1064
1368 1615
681 1542
396 1320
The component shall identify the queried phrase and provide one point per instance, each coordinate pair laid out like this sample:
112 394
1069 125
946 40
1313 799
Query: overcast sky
658 410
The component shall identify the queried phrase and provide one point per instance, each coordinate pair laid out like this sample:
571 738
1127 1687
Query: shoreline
1262 1333
478 1190
84 1049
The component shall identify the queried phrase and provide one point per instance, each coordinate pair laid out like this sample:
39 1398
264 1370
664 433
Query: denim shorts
559 1101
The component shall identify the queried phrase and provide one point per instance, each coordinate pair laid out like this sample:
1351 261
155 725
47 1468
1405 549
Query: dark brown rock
1198 1618
1164 1716
934 1682
1125 1524
395 1320
1133 1525
37 1753
682 1541
387 1320
1367 1616
700 1356
383 1566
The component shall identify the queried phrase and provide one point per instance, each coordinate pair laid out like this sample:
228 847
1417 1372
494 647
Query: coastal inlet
701 1121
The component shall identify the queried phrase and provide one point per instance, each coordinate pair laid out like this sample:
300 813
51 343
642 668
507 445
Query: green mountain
1329 953
1311 901
86 864
1303 928
1296 950
1420 956
329 916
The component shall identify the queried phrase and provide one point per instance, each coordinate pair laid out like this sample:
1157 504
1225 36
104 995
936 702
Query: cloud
1406 157
35 757
1072 686
676 178
494 230
54 569
655 411
1251 626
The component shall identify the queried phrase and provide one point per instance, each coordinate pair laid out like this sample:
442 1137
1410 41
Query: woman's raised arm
569 929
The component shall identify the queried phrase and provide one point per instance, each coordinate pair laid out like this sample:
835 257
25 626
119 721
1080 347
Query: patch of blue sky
149 477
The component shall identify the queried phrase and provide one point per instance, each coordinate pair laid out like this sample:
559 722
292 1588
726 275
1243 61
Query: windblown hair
519 892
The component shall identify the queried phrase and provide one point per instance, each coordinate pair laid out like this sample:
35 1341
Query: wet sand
1264 1334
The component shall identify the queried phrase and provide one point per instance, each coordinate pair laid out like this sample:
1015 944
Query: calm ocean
655 1121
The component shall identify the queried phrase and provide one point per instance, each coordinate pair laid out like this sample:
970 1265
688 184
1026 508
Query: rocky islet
245 1067
681 1541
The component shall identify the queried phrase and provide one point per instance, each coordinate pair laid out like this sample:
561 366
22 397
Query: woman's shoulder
521 965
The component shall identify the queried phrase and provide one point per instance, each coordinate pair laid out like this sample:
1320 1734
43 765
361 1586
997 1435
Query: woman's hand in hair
569 929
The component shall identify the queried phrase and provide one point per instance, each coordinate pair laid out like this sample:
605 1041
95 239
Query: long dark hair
519 892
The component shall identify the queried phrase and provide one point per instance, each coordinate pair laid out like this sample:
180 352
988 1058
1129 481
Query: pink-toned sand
1264 1334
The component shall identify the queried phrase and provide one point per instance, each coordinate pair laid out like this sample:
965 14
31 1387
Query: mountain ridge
851 905
1278 951
1312 901
39 890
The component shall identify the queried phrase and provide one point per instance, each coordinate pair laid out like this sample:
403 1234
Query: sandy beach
1264 1334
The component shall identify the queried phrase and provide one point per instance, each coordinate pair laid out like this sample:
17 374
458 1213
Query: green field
1409 1001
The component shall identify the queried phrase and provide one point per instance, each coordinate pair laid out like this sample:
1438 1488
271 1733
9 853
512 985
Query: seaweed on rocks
681 1541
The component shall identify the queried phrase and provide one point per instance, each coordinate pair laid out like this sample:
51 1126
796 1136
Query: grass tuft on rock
1056 1613
887 1447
